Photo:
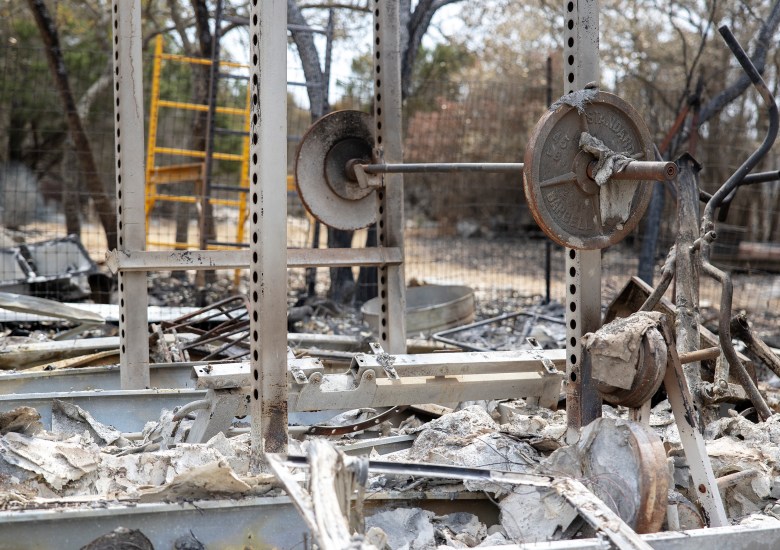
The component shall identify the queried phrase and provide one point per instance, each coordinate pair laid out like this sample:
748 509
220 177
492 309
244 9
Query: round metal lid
320 175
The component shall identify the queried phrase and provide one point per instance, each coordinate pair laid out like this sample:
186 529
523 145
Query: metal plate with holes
567 204
320 170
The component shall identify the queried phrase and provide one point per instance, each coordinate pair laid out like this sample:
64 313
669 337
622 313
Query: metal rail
707 225
638 170
738 177
443 168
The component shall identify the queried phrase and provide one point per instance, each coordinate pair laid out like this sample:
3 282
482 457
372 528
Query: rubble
83 459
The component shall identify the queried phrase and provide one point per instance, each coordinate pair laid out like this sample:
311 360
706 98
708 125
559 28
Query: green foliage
357 91
438 71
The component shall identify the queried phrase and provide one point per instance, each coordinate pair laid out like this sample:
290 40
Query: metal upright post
130 191
268 228
583 267
388 136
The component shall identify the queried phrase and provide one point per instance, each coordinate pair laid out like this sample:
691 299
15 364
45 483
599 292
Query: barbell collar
640 170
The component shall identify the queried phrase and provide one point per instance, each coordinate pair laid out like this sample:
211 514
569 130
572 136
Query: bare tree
104 205
414 23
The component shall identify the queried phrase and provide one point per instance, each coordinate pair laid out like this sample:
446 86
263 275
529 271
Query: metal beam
130 189
240 259
130 410
104 377
737 537
388 134
268 228
253 522
126 410
583 267
274 522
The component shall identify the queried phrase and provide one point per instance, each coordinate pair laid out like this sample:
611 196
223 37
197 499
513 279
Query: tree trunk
652 227
201 92
342 280
104 205
71 202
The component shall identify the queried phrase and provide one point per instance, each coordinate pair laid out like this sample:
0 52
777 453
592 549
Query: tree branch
181 28
733 91
310 60
418 26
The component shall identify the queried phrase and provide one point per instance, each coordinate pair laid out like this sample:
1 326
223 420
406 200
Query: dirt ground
507 274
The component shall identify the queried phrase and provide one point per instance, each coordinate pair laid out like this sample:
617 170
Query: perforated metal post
583 267
130 190
268 228
388 134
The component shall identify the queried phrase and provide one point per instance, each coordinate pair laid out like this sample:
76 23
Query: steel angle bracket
223 376
381 379
421 378
462 363
335 391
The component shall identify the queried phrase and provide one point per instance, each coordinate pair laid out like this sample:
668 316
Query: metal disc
624 464
566 204
649 376
320 175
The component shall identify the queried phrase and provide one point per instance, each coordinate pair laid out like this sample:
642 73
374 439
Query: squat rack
268 257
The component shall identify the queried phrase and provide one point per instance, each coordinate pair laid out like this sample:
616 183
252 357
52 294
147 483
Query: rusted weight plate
320 175
568 205
648 378
624 464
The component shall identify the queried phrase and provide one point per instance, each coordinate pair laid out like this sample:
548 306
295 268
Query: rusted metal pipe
729 480
191 407
724 337
700 355
642 170
761 177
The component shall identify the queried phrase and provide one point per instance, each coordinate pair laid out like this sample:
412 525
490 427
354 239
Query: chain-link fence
460 229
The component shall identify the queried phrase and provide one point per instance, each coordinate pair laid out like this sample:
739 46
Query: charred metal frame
130 189
388 134
268 257
583 267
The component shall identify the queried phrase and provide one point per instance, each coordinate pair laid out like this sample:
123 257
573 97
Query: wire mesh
461 229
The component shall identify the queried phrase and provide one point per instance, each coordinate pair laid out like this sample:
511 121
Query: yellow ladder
193 172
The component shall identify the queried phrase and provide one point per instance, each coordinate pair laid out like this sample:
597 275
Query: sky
235 46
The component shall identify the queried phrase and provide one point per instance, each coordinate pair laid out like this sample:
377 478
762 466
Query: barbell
337 172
